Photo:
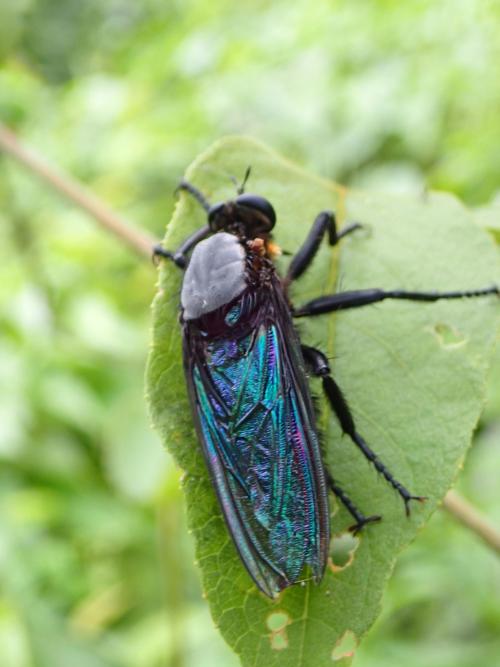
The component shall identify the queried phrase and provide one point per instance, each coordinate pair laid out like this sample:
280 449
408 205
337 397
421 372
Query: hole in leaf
342 550
448 336
277 622
345 647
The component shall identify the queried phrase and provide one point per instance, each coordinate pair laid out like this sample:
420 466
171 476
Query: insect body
253 411
246 372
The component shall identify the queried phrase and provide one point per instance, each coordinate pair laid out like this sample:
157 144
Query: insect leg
317 361
325 223
358 298
194 192
179 257
361 519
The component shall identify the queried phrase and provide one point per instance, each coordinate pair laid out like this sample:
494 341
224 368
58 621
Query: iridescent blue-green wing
256 424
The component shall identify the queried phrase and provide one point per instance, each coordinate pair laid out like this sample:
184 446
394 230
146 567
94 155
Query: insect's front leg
320 367
180 256
325 223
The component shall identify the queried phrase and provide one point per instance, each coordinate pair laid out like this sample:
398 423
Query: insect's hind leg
325 223
361 519
320 367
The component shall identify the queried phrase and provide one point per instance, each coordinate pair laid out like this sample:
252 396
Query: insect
246 371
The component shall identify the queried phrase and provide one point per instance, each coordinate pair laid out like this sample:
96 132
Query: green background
95 558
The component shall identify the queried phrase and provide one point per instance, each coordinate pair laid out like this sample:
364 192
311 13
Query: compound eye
213 213
259 204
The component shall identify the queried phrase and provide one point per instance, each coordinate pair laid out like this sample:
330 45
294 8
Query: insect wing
255 420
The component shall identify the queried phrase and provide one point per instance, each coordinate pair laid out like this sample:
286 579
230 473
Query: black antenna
240 189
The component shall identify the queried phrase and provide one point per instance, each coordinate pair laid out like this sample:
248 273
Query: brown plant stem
75 193
470 517
142 243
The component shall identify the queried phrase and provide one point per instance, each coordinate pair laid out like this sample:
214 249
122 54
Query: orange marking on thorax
264 248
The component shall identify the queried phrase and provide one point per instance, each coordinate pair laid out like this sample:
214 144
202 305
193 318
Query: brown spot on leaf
277 622
345 647
448 336
342 550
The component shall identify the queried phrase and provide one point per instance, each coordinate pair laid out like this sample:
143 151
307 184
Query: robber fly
246 371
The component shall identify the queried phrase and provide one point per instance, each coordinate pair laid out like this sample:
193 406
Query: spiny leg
194 192
324 223
358 298
361 519
180 256
320 367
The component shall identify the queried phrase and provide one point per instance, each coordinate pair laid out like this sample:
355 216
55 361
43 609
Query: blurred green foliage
95 561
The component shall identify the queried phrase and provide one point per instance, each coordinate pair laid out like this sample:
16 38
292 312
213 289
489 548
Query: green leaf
414 375
488 217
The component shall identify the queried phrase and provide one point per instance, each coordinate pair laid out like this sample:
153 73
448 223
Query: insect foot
359 525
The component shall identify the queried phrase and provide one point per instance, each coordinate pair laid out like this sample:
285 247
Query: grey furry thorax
215 275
